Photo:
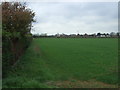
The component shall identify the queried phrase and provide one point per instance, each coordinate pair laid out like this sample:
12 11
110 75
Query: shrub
16 26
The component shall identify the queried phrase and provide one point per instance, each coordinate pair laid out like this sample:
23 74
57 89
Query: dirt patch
80 84
36 49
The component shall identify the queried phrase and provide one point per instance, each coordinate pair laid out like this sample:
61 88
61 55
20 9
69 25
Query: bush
16 34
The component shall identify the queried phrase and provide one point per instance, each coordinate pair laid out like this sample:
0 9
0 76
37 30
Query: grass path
66 63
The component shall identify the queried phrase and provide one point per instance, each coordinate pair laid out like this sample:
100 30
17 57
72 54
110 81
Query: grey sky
73 17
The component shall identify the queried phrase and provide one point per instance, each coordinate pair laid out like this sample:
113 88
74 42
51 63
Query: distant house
102 35
72 35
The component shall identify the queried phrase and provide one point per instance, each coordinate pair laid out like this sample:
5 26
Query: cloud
69 17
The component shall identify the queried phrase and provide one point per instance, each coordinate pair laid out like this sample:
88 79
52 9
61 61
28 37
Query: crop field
67 63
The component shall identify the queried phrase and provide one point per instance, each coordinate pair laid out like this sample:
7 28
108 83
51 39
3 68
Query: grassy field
72 62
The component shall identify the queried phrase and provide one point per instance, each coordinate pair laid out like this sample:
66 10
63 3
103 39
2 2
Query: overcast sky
75 17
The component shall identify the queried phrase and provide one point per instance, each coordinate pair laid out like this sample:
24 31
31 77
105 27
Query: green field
67 62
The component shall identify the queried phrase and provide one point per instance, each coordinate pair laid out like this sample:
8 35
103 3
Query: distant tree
112 34
98 34
118 34
107 34
85 34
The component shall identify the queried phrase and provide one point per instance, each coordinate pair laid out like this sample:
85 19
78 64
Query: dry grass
80 84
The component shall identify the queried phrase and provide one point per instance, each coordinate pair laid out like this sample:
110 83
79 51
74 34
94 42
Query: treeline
16 26
98 35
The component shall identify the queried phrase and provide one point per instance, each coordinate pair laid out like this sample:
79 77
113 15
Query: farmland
66 62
